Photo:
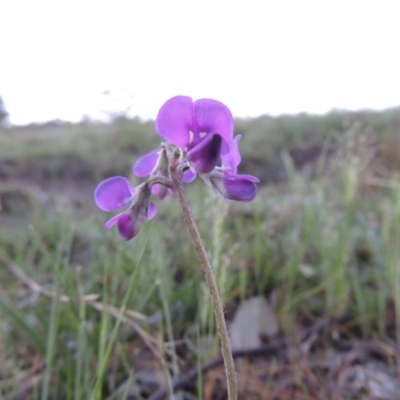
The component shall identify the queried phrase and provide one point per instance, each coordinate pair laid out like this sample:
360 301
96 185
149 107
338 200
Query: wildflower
200 134
234 187
202 128
231 160
117 192
227 182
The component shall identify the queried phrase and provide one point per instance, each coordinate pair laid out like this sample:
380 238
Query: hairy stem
175 177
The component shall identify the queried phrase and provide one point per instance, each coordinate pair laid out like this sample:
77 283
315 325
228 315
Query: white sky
57 57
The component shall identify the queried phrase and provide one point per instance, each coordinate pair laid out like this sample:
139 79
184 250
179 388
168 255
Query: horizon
113 118
107 116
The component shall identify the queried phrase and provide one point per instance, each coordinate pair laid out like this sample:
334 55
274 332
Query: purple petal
145 164
250 178
159 190
189 176
175 120
237 187
211 116
232 159
127 228
152 211
113 193
111 222
205 155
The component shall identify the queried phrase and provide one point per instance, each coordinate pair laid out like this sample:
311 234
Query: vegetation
84 315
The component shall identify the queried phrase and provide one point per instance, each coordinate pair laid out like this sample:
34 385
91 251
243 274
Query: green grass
324 241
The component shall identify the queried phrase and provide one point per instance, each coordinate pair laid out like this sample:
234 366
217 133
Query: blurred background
309 271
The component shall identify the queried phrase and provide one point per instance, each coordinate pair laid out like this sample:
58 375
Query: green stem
175 177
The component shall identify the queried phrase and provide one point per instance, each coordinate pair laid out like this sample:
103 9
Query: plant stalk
175 177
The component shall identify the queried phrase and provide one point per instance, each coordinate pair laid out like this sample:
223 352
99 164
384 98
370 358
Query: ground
320 244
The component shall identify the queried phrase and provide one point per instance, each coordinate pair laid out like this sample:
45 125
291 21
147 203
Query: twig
188 379
89 299
25 387
276 349
386 183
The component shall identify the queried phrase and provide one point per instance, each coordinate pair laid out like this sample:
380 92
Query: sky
258 57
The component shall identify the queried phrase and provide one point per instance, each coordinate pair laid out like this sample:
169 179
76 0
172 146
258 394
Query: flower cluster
202 132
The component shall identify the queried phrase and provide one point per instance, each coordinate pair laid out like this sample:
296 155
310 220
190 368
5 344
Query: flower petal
113 193
144 165
189 176
127 228
111 222
159 190
211 116
152 210
205 155
250 178
237 187
232 159
175 120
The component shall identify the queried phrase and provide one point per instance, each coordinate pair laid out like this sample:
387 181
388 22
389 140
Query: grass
86 316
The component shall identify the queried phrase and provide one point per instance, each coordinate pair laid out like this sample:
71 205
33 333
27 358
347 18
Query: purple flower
117 192
231 160
235 187
203 128
200 134
228 183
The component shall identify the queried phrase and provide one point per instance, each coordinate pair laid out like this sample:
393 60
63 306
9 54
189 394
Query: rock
254 319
